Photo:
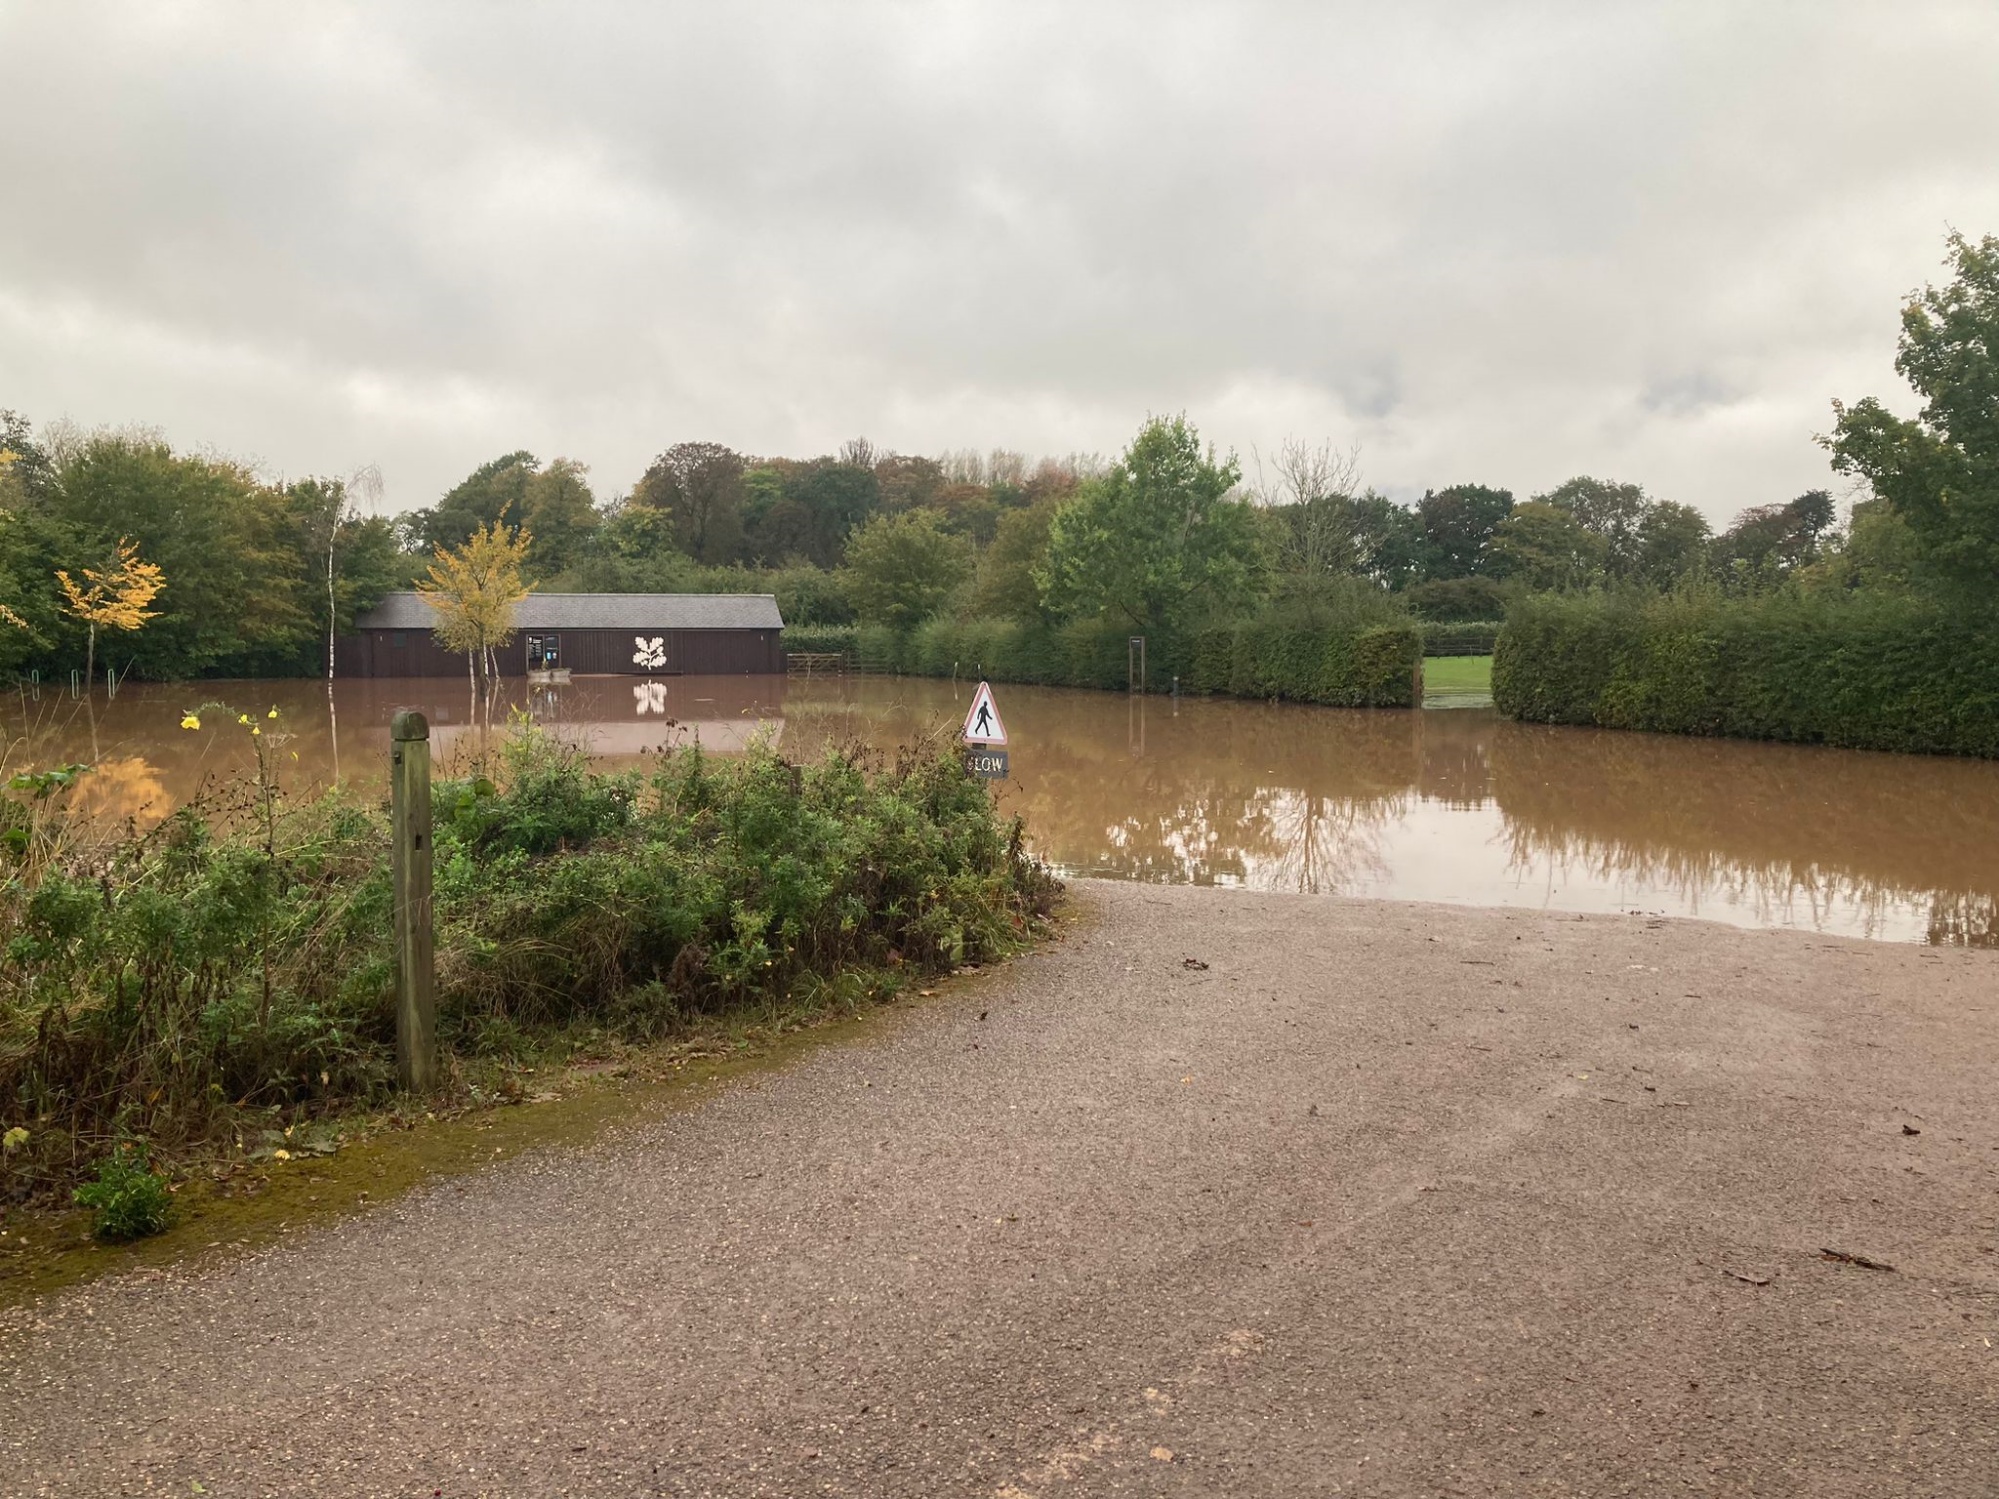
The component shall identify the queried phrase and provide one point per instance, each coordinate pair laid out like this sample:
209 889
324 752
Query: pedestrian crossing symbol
982 720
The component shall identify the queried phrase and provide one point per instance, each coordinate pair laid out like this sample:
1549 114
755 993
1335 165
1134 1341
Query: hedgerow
1861 670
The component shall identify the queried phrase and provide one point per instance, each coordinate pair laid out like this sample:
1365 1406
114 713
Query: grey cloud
1505 243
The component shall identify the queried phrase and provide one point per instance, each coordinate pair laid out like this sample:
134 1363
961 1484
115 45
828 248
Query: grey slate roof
600 611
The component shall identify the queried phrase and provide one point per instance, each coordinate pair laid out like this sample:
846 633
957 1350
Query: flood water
1456 806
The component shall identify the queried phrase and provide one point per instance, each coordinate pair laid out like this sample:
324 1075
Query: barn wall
415 653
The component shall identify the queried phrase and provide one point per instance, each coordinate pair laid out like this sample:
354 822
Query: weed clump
127 1198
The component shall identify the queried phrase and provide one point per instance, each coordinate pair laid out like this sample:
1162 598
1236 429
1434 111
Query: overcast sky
1490 242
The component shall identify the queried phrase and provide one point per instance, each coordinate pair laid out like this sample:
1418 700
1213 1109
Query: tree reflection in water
1456 805
1789 835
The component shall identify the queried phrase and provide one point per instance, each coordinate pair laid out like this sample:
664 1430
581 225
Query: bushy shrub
1866 671
158 983
127 1198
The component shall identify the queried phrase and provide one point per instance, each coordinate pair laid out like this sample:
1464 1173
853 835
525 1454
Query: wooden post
416 977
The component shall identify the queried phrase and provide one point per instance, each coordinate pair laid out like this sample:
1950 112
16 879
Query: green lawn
1457 681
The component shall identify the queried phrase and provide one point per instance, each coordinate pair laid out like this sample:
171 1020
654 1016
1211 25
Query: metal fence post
416 978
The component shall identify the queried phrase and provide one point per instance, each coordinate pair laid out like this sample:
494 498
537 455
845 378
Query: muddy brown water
1457 806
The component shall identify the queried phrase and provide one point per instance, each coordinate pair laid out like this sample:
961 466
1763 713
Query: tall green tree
495 491
1613 513
1672 542
1768 542
1159 539
1878 551
514 491
240 593
901 569
1458 525
700 485
1544 546
560 513
839 497
1005 586
1940 471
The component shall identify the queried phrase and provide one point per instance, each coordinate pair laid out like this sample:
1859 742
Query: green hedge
1372 666
1084 654
1860 670
1375 666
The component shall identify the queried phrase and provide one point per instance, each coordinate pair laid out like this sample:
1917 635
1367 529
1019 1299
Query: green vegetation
233 966
1939 474
127 1198
244 562
1036 573
1360 651
1881 638
1062 559
1868 671
901 569
1457 677
1156 542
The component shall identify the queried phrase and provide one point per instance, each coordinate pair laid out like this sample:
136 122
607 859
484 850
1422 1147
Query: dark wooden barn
586 634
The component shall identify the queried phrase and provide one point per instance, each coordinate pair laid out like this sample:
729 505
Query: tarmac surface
1382 1200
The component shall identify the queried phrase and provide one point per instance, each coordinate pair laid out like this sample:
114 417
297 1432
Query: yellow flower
242 718
256 728
190 721
272 714
281 1155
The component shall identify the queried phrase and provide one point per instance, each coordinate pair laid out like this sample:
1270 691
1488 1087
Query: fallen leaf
1164 1454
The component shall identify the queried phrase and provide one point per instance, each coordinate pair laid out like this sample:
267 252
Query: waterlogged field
1446 806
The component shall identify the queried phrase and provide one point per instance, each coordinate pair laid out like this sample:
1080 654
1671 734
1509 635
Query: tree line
254 577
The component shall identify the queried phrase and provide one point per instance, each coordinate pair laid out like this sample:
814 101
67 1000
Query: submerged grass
1450 677
223 982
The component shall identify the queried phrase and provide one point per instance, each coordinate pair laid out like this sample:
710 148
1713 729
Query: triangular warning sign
982 720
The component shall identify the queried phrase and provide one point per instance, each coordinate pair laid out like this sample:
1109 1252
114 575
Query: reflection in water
1450 806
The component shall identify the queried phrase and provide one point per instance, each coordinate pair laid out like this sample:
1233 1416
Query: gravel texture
1384 1199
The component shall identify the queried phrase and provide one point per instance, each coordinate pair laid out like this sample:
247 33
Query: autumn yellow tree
114 599
474 589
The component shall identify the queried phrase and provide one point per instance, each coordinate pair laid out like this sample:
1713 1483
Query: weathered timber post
416 977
